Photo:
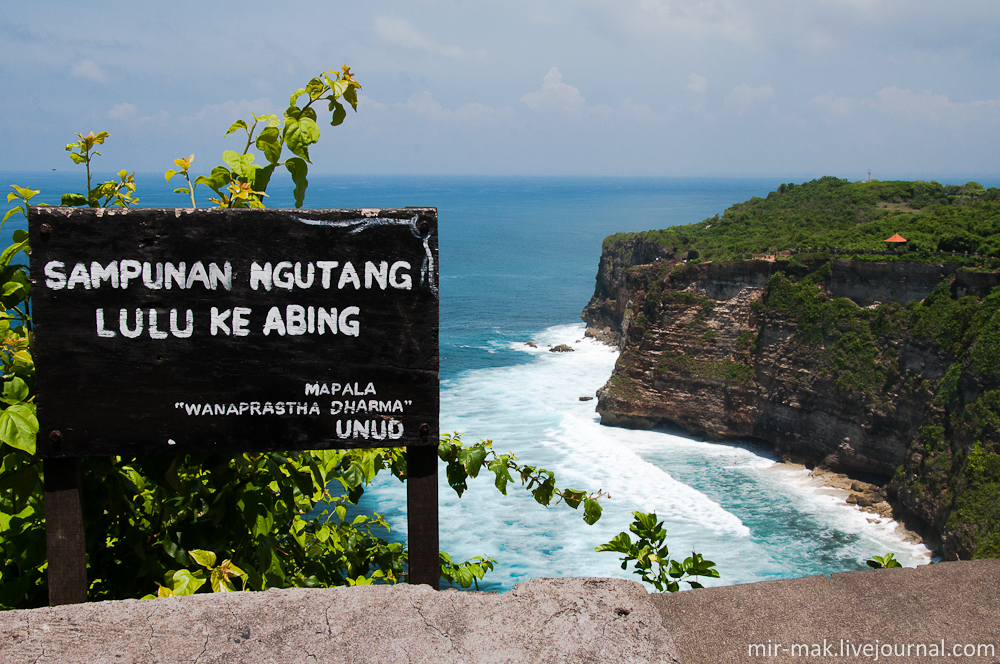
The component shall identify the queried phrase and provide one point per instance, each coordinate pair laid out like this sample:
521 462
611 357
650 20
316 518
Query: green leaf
591 511
15 390
339 113
339 87
19 427
183 582
217 180
240 164
271 119
353 476
474 461
9 253
269 565
295 96
203 558
269 144
298 169
314 88
174 550
262 177
573 498
239 124
11 212
73 200
23 193
300 133
543 493
351 96
499 467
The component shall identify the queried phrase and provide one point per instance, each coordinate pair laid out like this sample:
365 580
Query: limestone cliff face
701 347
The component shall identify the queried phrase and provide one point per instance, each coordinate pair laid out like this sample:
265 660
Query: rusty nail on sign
55 436
425 429
45 229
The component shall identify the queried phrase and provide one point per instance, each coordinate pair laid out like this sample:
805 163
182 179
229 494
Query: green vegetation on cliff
853 217
925 370
951 474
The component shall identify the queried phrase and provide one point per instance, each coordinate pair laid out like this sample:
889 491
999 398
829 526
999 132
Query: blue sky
908 88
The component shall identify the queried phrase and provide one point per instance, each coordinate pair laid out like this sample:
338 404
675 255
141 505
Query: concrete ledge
544 620
958 602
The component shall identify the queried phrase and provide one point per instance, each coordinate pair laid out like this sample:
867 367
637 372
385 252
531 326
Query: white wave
755 518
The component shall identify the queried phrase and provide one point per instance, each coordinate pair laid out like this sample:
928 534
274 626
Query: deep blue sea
518 259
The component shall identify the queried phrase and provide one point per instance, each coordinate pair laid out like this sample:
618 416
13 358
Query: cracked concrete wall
544 620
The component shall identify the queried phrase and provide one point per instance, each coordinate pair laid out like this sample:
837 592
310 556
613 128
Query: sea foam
733 503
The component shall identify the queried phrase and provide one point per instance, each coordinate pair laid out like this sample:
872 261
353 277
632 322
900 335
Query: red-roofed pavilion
897 239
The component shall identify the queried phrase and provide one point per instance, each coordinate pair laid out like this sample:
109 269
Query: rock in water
561 348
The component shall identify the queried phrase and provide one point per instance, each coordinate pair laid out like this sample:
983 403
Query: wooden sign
191 331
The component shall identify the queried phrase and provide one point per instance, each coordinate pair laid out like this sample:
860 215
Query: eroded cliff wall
826 359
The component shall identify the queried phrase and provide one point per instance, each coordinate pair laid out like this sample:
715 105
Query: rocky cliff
886 369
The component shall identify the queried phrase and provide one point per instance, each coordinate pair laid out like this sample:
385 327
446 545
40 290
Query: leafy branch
113 193
652 558
883 562
241 182
465 462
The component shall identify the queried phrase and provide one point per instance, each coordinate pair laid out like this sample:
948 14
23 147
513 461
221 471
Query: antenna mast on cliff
869 175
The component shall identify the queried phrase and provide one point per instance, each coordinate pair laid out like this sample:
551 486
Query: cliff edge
887 369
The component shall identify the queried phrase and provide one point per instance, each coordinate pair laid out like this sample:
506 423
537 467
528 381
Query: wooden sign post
207 331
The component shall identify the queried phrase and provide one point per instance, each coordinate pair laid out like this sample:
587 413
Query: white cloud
694 19
924 105
125 111
896 101
89 70
423 104
554 94
231 111
399 32
697 83
743 97
369 103
838 106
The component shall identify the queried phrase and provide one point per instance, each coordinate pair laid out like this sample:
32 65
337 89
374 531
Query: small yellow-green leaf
239 124
19 427
295 96
315 87
340 87
184 582
23 192
73 200
203 558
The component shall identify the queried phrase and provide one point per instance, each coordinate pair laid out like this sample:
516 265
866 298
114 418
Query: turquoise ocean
518 259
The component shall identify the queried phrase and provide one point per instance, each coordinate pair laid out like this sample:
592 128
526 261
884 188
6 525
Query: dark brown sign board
192 331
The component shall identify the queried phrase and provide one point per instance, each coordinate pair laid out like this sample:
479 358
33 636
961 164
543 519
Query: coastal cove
518 259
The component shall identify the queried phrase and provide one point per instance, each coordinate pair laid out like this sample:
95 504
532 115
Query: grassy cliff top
855 217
